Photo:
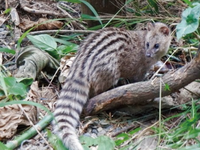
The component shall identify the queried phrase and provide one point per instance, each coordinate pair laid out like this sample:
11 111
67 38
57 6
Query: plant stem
30 133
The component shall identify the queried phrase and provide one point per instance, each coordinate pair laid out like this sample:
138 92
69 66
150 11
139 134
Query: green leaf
87 141
121 138
88 17
3 147
188 2
167 88
7 11
92 10
193 147
18 89
43 41
153 4
65 49
193 134
7 50
89 6
3 86
190 21
55 141
2 104
9 81
25 81
65 39
12 87
103 142
134 131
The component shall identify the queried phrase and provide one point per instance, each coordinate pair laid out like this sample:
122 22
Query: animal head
157 40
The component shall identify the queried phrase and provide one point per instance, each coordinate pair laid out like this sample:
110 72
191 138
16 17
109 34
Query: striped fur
103 58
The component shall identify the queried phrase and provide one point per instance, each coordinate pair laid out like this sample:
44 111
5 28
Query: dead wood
141 92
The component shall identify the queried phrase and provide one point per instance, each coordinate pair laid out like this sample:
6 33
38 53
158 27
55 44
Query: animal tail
69 106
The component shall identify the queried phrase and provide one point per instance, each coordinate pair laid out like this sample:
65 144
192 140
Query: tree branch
141 92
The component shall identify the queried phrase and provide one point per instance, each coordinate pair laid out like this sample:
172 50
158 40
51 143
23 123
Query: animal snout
148 54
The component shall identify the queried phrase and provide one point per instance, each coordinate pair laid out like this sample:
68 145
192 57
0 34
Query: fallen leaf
41 24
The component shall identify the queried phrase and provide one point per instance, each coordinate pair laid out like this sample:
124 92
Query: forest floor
132 127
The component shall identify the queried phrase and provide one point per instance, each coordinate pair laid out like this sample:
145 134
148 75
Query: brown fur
103 58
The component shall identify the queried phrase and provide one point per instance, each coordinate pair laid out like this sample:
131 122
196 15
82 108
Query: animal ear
164 30
150 26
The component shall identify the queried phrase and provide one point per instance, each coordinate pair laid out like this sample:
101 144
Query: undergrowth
180 131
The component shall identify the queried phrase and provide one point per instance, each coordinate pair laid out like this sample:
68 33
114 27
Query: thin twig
183 4
45 77
61 31
160 111
65 12
117 17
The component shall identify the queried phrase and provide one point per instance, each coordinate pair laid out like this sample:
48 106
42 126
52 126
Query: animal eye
156 46
147 44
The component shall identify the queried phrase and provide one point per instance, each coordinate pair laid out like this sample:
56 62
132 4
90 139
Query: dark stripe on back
79 82
105 47
90 40
95 36
89 51
100 65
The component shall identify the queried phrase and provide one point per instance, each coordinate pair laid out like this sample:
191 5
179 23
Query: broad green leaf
9 81
12 87
18 89
87 141
7 50
25 81
105 142
43 41
190 21
65 49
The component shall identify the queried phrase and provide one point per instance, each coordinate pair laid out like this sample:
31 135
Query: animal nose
148 54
